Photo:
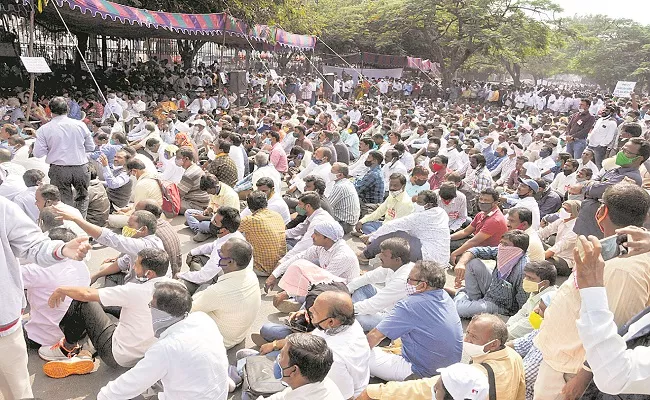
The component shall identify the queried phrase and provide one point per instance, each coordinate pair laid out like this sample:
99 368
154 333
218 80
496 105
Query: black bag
259 379
491 381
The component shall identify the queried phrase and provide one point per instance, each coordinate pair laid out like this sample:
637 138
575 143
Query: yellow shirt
627 282
393 207
265 231
146 187
508 374
226 197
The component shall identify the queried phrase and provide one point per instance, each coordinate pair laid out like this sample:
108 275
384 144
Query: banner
367 72
623 88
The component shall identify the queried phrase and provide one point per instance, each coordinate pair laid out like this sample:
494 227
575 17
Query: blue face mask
278 371
317 161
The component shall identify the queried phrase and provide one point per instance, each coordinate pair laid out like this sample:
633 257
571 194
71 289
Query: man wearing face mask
343 198
498 291
332 314
139 233
626 283
418 182
478 177
146 188
201 373
221 195
118 345
371 186
398 204
319 166
358 168
539 279
393 165
454 203
578 128
427 324
203 261
603 134
521 218
567 178
525 197
426 229
439 170
233 300
634 153
116 179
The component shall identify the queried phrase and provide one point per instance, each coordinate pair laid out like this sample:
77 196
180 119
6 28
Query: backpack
171 198
259 379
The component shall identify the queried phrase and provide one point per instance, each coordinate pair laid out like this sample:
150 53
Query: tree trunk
188 50
82 42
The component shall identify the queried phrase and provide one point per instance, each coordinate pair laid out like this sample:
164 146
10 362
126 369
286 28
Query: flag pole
31 54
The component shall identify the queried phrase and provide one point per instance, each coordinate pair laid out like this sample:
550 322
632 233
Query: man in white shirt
304 364
567 178
203 261
372 304
525 197
359 169
354 114
122 344
275 202
602 135
42 327
189 358
33 178
235 299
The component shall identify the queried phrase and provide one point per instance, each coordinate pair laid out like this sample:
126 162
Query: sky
637 10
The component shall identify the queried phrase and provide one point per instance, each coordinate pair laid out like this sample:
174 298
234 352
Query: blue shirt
371 186
494 163
430 329
412 189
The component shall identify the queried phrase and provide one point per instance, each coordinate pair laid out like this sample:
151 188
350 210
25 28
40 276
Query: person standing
21 237
579 126
64 143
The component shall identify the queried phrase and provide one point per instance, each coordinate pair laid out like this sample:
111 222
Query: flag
40 5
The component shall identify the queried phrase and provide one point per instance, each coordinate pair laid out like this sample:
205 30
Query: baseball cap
464 381
530 183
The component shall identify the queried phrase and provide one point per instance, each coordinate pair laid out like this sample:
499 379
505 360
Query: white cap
198 122
464 381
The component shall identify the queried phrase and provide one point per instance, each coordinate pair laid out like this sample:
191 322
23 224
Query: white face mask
564 214
475 350
332 176
396 192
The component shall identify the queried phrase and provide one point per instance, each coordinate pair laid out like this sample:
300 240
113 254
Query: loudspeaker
328 86
237 82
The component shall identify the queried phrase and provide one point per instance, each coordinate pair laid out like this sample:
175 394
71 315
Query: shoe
186 223
57 352
201 237
362 259
257 339
288 306
356 233
243 353
79 364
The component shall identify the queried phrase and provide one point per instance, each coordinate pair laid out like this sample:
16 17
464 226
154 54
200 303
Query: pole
31 54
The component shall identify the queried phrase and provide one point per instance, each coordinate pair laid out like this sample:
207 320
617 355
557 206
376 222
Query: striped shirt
189 186
344 202
340 260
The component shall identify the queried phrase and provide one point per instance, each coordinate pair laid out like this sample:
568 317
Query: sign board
36 65
623 89
274 75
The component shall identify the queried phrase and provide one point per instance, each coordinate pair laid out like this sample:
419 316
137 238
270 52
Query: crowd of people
531 200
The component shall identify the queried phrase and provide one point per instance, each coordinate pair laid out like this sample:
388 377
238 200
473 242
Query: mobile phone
610 247
296 327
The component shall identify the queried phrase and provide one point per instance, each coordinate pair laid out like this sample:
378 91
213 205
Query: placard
36 65
623 88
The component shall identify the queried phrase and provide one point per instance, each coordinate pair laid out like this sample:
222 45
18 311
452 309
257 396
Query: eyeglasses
628 153
409 279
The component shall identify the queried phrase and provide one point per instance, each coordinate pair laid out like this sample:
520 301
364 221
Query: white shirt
340 260
19 238
396 167
589 165
189 359
304 230
384 300
40 283
603 132
12 186
454 162
322 170
529 203
268 171
211 268
27 202
355 116
616 369
134 332
358 169
169 170
238 157
562 182
325 390
277 204
63 141
351 368
430 226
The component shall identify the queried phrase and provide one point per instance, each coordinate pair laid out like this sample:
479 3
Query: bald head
487 328
149 205
5 155
336 305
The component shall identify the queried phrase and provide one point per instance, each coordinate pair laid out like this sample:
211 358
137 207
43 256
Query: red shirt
493 224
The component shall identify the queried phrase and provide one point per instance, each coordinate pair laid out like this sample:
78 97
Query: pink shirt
278 158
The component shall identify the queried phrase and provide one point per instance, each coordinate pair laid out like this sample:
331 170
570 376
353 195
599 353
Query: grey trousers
68 177
470 300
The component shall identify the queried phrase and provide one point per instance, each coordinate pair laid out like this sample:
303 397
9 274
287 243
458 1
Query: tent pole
31 54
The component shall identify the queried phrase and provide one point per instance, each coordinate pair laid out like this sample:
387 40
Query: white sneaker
78 364
57 352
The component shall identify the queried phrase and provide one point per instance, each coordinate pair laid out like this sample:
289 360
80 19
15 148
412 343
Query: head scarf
329 229
182 140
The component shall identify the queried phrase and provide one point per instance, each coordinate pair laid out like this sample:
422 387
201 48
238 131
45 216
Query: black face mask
544 154
567 172
368 163
214 230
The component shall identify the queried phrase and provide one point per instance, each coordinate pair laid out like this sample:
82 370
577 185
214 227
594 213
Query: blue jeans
367 321
576 147
271 331
196 225
370 227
